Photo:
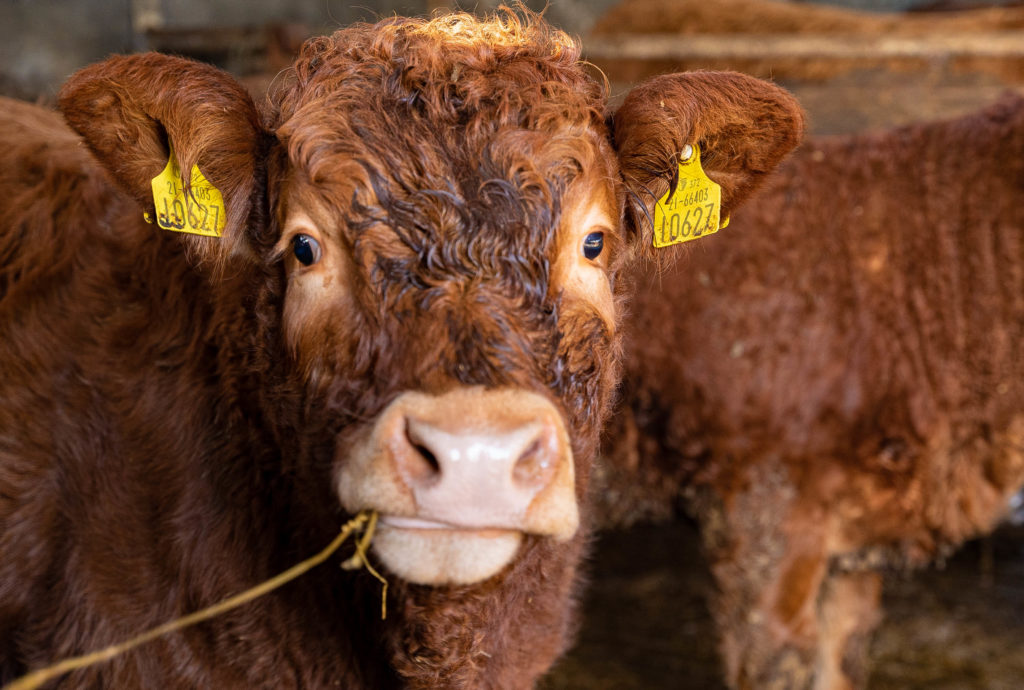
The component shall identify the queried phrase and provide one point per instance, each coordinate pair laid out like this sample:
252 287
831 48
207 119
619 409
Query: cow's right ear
131 110
743 127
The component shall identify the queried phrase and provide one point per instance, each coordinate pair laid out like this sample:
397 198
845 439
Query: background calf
835 384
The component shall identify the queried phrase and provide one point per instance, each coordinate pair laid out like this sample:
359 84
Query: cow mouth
416 523
429 552
459 479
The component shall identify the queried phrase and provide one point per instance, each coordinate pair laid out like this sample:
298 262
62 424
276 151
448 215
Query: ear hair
126 108
744 127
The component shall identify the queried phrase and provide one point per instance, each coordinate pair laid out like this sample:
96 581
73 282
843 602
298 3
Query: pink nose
470 458
476 477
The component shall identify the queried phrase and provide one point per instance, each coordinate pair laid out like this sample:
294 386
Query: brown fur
834 383
169 431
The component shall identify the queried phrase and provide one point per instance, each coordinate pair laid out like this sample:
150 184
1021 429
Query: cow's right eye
593 244
307 249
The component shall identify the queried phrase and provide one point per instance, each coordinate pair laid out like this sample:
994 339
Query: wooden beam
671 47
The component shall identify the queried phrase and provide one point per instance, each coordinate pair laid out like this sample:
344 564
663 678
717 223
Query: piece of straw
359 559
33 680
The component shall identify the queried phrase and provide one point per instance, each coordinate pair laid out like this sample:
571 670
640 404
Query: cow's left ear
743 127
131 110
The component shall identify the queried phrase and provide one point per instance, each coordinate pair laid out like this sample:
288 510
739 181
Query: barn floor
647 626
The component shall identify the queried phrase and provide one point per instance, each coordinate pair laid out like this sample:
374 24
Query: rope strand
359 559
33 680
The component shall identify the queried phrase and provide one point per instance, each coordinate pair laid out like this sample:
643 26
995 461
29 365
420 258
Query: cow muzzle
459 479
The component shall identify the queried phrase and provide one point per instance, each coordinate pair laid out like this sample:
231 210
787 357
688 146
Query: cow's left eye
307 249
593 244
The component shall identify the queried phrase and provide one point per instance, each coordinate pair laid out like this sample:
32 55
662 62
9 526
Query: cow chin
445 556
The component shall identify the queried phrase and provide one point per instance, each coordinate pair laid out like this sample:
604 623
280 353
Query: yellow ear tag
693 210
201 213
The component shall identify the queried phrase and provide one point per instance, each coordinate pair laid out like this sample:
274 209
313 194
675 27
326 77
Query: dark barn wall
43 41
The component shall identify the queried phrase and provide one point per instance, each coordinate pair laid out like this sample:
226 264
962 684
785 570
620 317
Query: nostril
429 457
535 465
423 463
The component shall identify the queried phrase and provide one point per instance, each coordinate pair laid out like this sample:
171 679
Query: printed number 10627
695 222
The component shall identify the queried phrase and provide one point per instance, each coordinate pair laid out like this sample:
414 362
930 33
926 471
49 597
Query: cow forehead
454 138
447 65
446 103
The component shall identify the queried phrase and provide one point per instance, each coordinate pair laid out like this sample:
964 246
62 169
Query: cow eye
593 244
307 249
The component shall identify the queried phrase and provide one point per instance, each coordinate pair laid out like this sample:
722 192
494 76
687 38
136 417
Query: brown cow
838 387
412 308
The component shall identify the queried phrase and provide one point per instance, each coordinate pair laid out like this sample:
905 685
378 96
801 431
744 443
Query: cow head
444 209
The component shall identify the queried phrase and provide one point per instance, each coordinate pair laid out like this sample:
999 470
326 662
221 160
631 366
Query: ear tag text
693 209
201 212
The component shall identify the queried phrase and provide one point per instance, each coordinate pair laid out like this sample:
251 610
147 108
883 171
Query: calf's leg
848 612
785 621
